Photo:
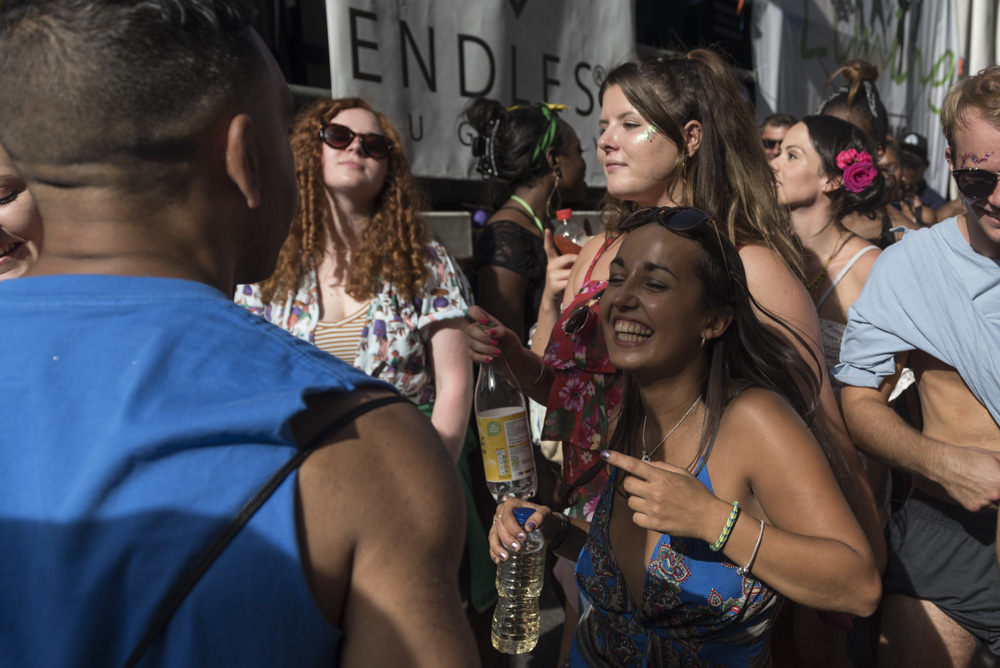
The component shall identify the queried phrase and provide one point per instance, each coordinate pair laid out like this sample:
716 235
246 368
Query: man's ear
242 159
947 156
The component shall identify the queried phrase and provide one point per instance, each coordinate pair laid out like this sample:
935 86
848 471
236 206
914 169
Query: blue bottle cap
522 514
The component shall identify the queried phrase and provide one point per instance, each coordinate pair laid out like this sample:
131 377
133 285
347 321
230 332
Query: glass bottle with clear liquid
519 583
504 437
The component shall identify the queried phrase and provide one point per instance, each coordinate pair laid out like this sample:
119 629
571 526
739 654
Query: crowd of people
240 366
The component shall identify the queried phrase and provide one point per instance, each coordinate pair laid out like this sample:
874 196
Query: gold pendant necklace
645 457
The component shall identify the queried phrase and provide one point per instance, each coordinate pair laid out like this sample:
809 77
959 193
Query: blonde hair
982 92
393 247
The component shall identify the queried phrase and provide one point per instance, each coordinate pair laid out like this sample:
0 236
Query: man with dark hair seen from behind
149 407
942 582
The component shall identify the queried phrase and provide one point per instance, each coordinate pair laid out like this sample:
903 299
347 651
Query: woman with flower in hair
826 172
858 102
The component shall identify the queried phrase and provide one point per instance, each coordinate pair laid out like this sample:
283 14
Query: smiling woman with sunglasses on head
714 470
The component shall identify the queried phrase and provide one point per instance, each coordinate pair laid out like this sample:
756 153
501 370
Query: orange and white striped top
340 338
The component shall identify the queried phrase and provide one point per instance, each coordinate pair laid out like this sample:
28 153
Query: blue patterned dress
695 610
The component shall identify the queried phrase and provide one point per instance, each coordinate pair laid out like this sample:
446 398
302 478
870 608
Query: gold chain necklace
645 457
813 285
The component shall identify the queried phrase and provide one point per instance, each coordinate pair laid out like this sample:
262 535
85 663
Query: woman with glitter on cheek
20 223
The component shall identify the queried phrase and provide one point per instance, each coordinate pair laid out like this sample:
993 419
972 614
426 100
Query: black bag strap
187 582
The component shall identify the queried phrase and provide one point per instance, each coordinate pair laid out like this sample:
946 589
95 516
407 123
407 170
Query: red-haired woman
361 276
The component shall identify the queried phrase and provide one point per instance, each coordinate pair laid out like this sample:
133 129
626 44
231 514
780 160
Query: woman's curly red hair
393 247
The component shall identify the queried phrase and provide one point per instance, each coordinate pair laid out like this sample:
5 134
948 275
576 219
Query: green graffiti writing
853 38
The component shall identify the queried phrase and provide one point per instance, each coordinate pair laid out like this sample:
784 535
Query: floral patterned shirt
393 344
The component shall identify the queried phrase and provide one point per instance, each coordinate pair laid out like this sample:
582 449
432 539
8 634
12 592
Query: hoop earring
555 192
703 342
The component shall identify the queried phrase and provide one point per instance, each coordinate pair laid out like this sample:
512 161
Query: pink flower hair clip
859 170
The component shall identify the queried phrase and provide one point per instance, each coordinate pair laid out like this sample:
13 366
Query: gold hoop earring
554 192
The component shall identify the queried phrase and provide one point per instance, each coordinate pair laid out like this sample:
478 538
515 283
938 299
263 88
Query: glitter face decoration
648 134
975 159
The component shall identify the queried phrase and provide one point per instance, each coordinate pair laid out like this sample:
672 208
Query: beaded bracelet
724 536
560 536
744 571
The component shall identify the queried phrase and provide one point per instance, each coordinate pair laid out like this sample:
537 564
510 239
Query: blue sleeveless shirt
695 609
139 415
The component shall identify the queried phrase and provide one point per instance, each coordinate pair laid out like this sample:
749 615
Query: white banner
421 63
798 44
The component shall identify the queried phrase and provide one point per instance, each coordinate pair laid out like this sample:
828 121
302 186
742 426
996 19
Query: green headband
546 139
549 136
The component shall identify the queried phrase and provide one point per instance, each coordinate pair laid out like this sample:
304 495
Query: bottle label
506 444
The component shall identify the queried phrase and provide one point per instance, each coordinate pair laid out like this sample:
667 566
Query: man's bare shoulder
384 479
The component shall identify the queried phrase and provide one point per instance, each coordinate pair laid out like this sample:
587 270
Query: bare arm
557 273
969 475
778 290
452 384
489 342
380 552
812 549
950 209
501 292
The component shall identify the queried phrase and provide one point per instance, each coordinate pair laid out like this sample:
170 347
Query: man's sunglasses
340 137
771 144
975 183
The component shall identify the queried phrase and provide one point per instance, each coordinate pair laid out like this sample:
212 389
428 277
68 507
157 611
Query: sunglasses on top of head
975 183
676 218
340 137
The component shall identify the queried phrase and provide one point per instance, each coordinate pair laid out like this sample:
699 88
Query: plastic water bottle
519 582
568 235
504 436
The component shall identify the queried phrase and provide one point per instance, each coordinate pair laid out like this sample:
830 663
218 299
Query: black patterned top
504 243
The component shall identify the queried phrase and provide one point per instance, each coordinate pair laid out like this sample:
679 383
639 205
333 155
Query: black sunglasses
676 218
771 144
340 137
975 183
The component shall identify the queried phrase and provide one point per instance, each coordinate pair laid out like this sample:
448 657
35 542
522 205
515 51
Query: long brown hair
393 247
728 176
